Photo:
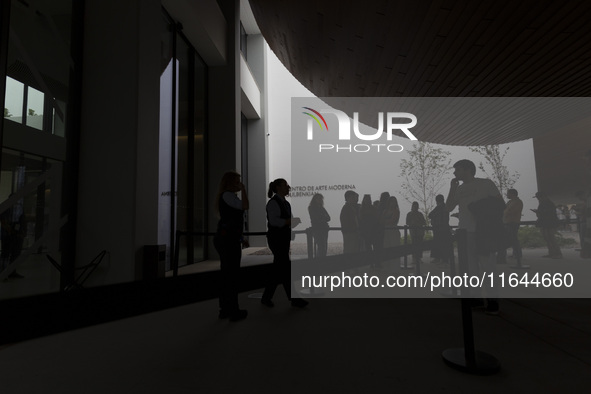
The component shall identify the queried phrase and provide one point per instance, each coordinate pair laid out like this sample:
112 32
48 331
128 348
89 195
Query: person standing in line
560 216
512 220
319 219
368 223
473 190
383 205
391 218
279 224
228 242
574 219
548 224
391 233
586 214
566 214
580 209
350 223
416 221
442 251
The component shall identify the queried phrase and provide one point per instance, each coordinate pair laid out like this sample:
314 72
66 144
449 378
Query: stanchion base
316 292
519 267
485 363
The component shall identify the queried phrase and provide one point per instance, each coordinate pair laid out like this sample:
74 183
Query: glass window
183 124
40 64
165 193
199 151
59 124
183 173
29 213
243 41
35 101
14 96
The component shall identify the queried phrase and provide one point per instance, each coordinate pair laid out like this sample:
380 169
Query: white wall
282 87
258 157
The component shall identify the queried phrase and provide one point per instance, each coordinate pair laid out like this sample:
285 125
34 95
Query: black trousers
230 251
321 241
281 267
512 230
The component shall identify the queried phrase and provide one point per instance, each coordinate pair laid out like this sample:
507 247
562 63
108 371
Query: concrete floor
332 346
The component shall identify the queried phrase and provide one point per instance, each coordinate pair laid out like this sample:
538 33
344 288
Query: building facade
120 117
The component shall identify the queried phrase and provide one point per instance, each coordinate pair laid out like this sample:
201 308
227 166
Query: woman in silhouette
319 219
279 225
228 242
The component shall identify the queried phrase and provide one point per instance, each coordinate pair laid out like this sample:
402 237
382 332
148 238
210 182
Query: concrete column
258 153
118 189
224 112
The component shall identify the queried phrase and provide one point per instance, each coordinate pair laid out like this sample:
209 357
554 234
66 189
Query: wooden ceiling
434 48
449 48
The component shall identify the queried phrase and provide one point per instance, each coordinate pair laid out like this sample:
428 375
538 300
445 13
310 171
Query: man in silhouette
350 223
511 220
548 224
471 191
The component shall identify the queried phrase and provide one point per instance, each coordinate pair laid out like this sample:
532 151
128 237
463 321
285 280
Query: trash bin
154 261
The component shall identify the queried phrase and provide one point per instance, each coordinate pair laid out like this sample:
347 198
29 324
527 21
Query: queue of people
492 226
370 226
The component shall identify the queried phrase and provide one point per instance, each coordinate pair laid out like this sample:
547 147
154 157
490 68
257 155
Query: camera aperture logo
344 131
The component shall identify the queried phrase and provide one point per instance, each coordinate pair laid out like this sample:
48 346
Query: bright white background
283 86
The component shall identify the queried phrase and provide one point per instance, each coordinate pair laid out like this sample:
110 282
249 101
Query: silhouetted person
566 214
548 224
512 220
581 209
228 242
476 190
319 218
416 221
279 225
442 250
12 236
574 217
368 223
586 245
391 218
350 223
382 207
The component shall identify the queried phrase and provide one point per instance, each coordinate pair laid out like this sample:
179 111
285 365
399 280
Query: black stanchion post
468 359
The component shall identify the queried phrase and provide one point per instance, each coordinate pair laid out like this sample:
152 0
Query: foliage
7 113
32 112
499 173
428 237
531 237
423 175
